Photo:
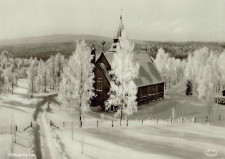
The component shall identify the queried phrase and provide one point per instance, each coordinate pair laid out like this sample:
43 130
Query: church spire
117 35
119 30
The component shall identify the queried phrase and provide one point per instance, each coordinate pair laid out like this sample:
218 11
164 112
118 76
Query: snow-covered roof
148 72
104 69
97 55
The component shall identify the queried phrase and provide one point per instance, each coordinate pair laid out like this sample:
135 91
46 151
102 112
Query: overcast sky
158 20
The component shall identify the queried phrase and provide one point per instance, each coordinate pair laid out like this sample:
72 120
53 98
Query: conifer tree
189 88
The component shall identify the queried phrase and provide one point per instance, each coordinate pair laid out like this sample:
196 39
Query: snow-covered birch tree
10 74
32 87
51 72
221 68
39 76
1 80
161 60
76 86
206 88
124 70
173 114
58 63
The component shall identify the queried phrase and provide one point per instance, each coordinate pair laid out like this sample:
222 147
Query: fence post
206 118
182 120
11 129
81 124
16 127
15 136
31 124
171 120
142 122
127 122
97 123
63 124
112 123
195 120
220 117
157 121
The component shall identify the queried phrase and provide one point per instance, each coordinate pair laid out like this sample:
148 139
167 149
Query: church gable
102 59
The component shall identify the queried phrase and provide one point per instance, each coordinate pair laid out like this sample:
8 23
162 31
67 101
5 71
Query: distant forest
45 50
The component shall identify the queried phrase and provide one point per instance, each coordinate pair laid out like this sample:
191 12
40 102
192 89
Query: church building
149 81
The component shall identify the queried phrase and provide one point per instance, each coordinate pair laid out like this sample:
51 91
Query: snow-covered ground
188 140
18 110
181 140
109 140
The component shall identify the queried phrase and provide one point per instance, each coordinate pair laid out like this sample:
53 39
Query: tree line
203 72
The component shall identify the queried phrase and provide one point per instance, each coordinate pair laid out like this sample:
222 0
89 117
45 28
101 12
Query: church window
99 85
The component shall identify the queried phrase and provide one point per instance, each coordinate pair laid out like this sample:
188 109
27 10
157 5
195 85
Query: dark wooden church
149 82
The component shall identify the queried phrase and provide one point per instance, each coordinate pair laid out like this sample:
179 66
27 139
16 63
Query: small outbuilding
223 93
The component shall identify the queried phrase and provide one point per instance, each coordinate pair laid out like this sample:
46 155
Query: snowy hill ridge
54 38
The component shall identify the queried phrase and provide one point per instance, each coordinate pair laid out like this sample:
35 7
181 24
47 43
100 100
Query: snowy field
102 136
18 110
150 140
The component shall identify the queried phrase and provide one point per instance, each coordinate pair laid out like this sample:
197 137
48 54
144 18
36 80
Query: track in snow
47 147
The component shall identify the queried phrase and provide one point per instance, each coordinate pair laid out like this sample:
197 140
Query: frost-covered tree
160 61
44 75
1 80
221 69
171 72
21 71
76 86
32 82
41 78
195 65
58 63
51 72
5 57
206 88
124 70
173 114
180 67
12 76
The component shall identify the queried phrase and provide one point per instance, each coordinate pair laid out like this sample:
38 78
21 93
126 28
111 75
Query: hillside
55 38
43 47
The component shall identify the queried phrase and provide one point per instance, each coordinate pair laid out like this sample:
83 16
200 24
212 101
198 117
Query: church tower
117 35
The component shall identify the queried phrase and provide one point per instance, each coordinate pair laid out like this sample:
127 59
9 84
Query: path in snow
46 147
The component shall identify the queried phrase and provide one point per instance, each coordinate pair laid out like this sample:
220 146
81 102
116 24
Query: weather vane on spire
121 11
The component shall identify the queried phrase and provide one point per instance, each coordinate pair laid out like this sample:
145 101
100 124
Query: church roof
104 69
119 30
148 72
